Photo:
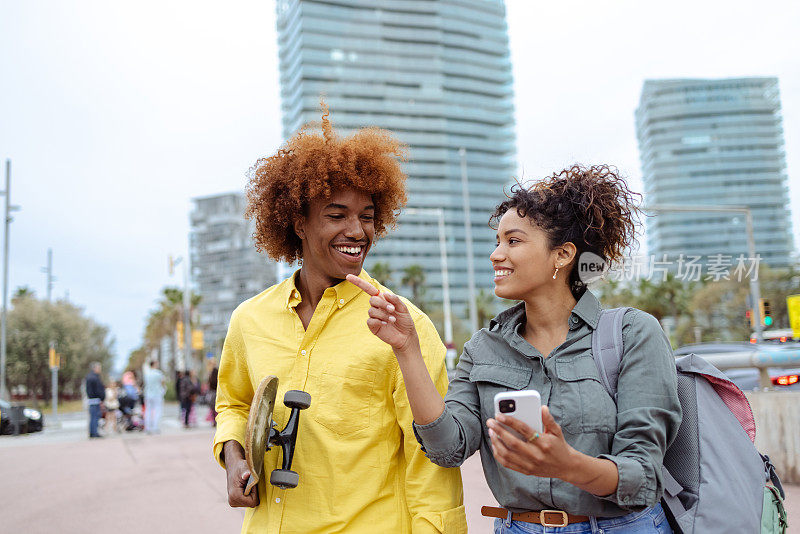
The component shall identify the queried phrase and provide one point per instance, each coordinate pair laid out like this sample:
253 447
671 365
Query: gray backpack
714 478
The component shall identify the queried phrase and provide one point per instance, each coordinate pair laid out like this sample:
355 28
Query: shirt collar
344 291
588 308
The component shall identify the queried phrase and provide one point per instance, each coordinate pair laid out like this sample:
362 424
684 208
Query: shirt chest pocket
491 379
344 399
582 403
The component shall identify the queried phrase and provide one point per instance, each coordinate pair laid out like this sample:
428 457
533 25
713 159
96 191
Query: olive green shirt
633 434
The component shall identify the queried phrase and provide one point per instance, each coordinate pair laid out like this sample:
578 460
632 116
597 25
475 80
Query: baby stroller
131 416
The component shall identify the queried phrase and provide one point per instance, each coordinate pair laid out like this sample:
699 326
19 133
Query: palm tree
486 306
414 278
163 321
382 273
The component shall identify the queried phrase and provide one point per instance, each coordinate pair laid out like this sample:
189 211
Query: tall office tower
715 142
437 74
226 269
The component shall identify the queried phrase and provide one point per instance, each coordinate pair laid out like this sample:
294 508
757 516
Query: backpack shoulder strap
607 347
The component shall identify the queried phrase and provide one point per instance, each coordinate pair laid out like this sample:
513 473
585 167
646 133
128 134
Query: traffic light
764 312
750 319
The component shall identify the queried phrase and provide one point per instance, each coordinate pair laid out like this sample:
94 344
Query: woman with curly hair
596 466
323 200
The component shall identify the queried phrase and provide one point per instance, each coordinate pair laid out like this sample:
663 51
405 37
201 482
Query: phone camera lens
507 406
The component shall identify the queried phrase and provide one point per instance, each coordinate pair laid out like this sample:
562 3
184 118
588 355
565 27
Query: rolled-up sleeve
456 434
434 495
648 412
234 391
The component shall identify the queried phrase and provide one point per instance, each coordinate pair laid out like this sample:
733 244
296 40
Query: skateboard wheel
284 478
297 399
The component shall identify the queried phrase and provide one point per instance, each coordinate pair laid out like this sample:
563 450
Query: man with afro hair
322 200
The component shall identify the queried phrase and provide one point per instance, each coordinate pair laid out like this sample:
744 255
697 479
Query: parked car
746 378
34 420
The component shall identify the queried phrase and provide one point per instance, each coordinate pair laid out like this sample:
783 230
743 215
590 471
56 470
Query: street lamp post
4 318
448 317
185 353
473 307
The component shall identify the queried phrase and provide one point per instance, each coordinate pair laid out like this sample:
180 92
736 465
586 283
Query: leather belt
546 518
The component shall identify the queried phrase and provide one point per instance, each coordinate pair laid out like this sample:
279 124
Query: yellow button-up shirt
361 468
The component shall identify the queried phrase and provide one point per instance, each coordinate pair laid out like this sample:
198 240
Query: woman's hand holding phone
544 455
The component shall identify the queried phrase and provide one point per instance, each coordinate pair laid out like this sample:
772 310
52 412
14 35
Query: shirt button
277 500
303 352
341 301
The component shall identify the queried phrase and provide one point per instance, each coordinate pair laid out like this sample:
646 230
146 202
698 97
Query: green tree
486 306
382 273
414 278
22 292
32 325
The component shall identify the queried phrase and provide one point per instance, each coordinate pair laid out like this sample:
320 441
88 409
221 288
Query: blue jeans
94 418
649 521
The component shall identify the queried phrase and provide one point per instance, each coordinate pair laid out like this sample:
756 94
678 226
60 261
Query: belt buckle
545 523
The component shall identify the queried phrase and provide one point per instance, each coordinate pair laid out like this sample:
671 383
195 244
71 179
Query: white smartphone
524 405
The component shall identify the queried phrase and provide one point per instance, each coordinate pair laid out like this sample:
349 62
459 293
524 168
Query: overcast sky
115 114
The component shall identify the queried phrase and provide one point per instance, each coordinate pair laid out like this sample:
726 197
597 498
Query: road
135 483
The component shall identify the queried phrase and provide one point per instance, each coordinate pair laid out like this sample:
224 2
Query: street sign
793 305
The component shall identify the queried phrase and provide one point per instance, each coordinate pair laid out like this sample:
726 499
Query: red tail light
786 380
783 339
752 340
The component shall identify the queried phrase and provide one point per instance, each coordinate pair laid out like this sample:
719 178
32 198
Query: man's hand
389 319
238 473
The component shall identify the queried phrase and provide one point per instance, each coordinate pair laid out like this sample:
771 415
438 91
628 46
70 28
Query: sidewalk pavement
137 483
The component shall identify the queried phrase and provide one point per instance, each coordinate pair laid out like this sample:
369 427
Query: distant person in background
178 377
212 392
96 393
111 403
154 389
187 393
128 397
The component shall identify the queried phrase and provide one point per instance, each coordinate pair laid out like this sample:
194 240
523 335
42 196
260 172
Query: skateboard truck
262 434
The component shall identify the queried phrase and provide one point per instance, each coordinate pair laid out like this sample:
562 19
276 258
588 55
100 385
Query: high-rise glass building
715 142
436 73
226 268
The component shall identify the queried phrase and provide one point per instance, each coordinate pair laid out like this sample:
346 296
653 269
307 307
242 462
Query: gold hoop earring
555 273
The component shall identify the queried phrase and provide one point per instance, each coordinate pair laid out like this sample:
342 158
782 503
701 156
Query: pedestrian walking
111 403
188 389
154 389
211 396
95 393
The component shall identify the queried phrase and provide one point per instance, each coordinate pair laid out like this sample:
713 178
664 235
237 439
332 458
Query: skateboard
262 434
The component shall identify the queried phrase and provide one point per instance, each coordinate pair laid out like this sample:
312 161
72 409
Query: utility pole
54 366
3 319
473 308
185 353
187 316
450 356
49 271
